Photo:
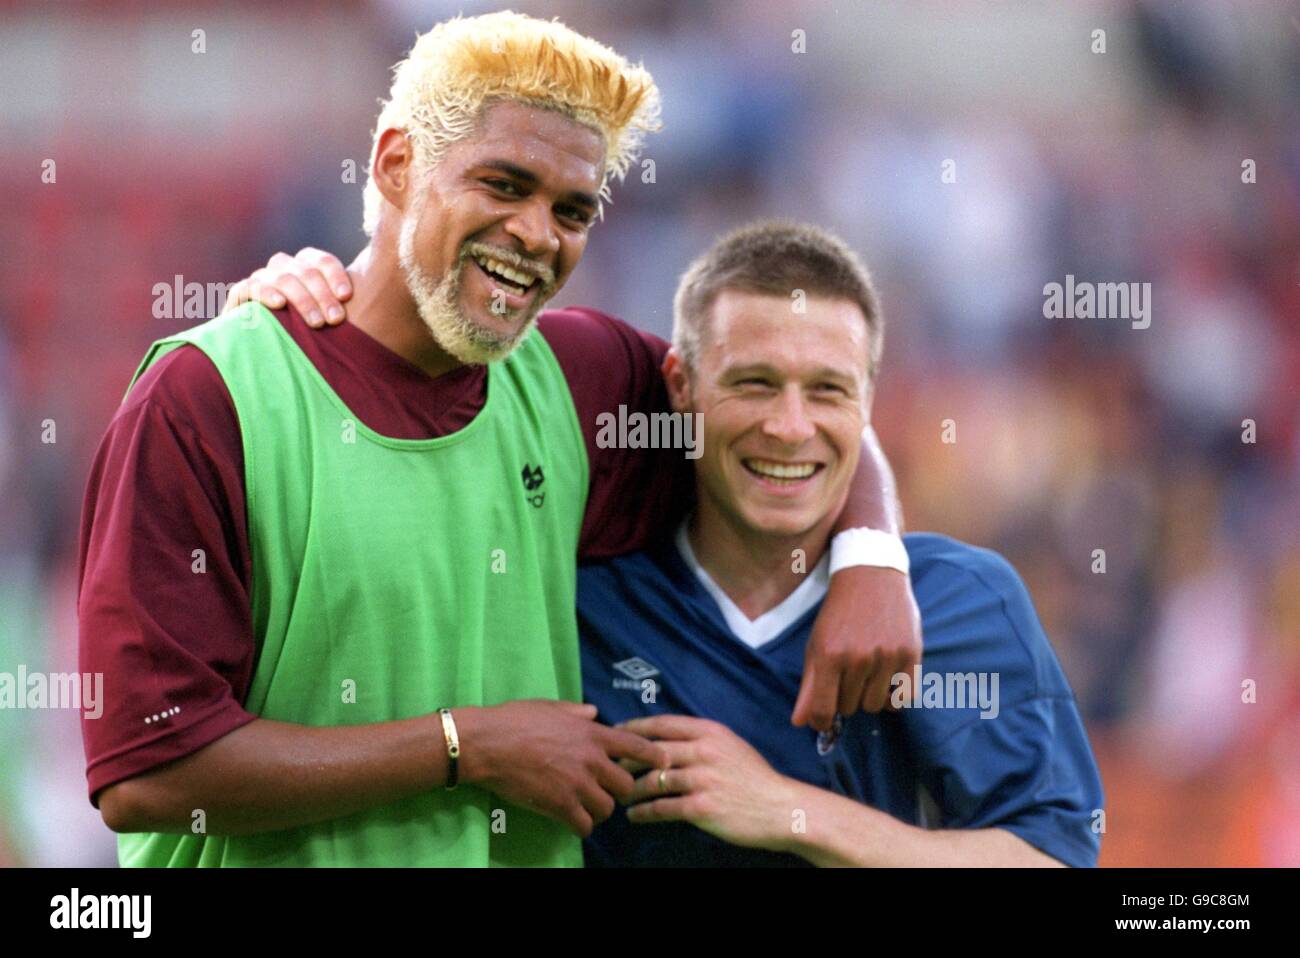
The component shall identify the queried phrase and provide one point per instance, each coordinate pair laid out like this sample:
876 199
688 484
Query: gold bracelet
452 739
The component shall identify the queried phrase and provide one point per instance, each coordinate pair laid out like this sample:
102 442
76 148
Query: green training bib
392 577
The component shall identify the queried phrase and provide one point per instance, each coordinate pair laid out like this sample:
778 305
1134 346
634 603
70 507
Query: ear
393 167
678 380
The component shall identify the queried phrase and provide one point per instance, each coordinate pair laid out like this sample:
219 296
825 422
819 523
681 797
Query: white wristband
871 547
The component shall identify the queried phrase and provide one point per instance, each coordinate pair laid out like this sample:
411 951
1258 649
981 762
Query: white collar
773 622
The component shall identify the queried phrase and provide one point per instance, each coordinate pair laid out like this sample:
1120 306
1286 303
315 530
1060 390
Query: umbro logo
640 675
533 479
636 668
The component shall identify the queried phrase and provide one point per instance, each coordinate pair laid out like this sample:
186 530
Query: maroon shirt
168 479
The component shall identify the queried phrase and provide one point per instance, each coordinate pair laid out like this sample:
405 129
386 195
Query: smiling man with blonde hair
330 576
439 92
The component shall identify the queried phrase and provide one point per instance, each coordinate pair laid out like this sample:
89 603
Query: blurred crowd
1145 482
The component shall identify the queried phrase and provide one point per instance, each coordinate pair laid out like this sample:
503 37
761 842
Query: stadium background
1072 435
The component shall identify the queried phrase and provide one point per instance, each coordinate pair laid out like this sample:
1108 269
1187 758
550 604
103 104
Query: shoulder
642 566
942 558
593 336
580 321
974 605
642 576
184 386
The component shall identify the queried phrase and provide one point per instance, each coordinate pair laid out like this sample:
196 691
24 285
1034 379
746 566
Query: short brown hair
774 257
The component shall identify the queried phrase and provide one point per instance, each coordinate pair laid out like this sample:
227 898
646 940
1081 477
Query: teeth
506 272
779 470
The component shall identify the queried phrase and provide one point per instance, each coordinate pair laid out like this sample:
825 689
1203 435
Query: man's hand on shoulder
868 630
314 282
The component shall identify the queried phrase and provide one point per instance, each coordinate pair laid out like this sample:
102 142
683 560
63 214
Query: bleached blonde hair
440 89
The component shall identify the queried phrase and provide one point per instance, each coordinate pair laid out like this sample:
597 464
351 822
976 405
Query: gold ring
663 785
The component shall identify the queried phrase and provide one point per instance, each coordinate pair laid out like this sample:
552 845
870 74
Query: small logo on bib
533 479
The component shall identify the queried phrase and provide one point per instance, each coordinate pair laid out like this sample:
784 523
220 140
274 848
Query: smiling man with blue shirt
700 642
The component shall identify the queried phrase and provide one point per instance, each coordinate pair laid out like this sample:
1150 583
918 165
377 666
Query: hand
717 782
552 757
868 630
314 282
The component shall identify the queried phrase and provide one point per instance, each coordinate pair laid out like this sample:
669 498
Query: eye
755 381
576 214
504 186
829 387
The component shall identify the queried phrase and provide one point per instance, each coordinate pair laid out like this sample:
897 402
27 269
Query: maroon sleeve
163 604
636 495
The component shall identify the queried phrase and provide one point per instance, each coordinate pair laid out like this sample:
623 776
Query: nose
534 227
788 422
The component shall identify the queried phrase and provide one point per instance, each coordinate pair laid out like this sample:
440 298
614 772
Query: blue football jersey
1013 754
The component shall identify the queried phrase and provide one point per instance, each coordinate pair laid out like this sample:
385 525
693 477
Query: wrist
794 803
869 547
844 833
474 760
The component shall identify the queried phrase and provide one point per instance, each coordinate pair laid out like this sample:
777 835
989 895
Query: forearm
840 832
270 775
872 500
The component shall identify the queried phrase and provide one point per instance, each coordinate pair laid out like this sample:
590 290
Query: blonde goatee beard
439 304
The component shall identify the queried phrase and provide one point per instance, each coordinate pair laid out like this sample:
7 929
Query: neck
382 307
756 570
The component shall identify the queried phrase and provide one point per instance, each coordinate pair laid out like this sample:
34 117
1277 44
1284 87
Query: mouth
782 475
512 280
517 286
